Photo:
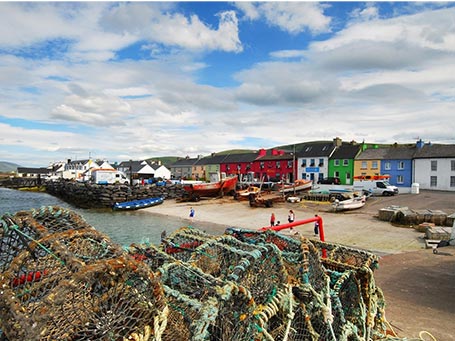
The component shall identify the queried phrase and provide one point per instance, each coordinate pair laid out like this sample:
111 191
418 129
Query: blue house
397 162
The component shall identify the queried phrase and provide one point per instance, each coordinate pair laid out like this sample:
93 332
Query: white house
434 166
161 171
74 169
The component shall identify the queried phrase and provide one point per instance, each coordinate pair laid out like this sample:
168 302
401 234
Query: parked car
330 181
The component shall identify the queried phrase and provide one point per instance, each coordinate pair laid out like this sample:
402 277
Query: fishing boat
211 189
244 194
137 204
349 204
298 185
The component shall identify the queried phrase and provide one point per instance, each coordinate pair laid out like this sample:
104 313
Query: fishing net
63 280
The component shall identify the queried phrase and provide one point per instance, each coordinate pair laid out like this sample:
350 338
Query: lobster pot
261 270
229 318
151 255
56 219
348 308
114 299
182 243
16 232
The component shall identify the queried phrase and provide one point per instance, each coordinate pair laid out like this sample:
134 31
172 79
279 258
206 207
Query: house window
228 167
452 165
348 177
262 164
336 174
345 162
400 179
303 175
387 166
278 164
290 164
364 165
433 181
452 181
401 165
321 162
336 162
304 163
312 163
374 165
434 165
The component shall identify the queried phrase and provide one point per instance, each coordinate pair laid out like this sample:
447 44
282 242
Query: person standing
272 220
291 216
316 226
192 213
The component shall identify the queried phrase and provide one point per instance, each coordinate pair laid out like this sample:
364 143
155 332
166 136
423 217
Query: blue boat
137 204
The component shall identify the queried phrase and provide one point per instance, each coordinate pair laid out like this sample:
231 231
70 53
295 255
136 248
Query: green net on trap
63 280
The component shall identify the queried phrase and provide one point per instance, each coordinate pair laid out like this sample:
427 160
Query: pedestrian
272 219
316 226
192 213
291 216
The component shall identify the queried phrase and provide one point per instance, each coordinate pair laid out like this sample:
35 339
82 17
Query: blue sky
134 80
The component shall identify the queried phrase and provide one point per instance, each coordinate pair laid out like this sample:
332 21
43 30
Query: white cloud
293 17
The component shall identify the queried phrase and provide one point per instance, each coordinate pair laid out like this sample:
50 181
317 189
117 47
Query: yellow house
368 162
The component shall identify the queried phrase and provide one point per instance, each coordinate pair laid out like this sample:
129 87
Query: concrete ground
419 286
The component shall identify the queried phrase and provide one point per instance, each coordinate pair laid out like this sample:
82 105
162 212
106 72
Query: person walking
192 213
272 220
316 226
291 216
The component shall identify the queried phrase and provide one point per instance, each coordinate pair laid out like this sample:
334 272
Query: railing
317 219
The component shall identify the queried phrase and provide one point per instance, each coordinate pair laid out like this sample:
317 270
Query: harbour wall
86 195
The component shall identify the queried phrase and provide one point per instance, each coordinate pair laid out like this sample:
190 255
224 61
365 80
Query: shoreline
356 229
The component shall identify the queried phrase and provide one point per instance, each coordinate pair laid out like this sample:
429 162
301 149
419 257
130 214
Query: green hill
7 167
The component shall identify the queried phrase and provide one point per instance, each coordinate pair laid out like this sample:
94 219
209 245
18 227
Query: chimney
419 144
262 152
337 142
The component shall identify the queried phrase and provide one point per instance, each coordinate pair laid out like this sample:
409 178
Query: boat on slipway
137 204
349 204
298 185
210 189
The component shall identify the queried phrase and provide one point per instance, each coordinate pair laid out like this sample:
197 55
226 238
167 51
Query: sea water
123 227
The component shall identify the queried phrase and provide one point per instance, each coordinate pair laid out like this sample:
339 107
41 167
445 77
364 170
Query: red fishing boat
211 189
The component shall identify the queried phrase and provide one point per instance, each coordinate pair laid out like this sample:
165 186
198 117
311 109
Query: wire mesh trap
63 280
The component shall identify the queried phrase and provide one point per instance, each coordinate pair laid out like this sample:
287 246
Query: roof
242 157
372 154
211 160
400 152
346 151
185 162
30 170
316 149
432 151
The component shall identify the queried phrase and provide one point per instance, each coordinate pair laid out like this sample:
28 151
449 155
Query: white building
434 167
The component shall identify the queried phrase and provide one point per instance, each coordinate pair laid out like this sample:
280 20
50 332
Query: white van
105 177
375 187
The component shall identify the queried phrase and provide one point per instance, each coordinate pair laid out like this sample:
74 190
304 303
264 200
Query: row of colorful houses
432 166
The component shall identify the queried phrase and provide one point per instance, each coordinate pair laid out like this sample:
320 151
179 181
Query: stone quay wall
86 195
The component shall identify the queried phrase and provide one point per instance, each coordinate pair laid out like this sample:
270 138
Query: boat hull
349 204
299 185
137 204
212 189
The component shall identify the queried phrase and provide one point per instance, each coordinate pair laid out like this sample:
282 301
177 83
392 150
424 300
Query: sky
134 80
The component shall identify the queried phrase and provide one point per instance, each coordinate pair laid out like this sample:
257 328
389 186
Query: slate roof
316 149
30 170
242 157
400 153
211 160
372 154
346 151
429 151
185 162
